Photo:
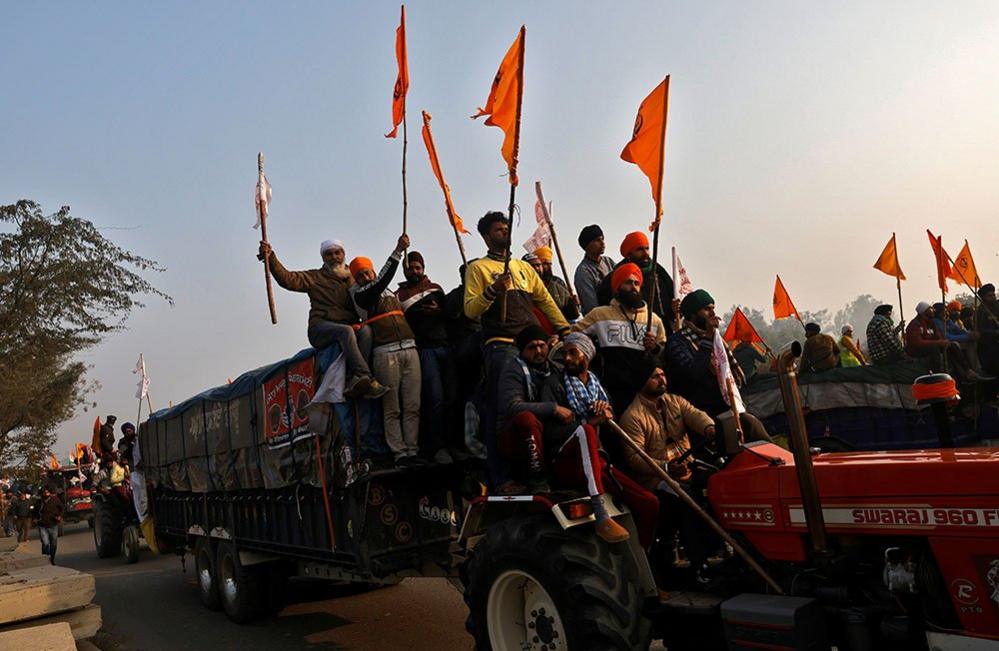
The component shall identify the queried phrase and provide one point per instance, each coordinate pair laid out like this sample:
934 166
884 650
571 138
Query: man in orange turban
541 259
635 249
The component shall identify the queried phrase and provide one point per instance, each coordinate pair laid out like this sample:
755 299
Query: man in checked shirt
661 423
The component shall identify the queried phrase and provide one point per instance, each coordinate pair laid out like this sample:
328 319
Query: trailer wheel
208 578
243 589
531 585
107 530
130 544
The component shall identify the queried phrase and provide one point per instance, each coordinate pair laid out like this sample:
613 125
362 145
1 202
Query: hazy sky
800 136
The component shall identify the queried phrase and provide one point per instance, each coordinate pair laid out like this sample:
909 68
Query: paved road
152 606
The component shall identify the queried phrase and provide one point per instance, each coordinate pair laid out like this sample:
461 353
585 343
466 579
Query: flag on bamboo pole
504 103
684 286
542 235
783 306
143 385
726 379
262 198
435 165
964 265
95 442
402 79
53 462
740 329
888 260
942 262
648 141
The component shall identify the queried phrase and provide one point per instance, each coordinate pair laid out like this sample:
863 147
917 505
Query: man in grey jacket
521 422
593 268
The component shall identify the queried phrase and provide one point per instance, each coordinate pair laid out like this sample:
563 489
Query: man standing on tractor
574 447
331 313
107 439
126 445
592 268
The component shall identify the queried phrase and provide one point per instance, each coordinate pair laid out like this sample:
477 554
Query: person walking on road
24 509
49 518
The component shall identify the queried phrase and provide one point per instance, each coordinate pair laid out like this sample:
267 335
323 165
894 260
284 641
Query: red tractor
861 550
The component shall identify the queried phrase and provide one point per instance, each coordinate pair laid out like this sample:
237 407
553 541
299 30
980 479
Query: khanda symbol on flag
783 305
503 107
647 146
402 80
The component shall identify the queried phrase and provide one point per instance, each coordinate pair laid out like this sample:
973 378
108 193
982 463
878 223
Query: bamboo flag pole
558 249
654 293
405 198
898 284
262 215
453 219
516 152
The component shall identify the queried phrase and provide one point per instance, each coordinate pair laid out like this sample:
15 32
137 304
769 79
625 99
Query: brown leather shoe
612 532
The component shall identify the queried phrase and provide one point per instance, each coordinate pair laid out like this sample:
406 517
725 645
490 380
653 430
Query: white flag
542 236
725 378
143 385
684 286
262 198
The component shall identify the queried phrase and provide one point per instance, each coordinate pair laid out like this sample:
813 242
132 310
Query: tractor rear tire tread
107 530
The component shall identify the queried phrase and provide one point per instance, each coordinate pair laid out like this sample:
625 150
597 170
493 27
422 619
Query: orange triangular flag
942 260
740 329
53 462
783 306
888 261
95 442
648 142
964 270
428 140
402 79
505 99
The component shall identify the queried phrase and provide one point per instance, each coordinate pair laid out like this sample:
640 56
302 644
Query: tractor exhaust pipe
810 502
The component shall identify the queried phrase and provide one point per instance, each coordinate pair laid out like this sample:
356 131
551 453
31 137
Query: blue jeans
439 384
49 537
497 356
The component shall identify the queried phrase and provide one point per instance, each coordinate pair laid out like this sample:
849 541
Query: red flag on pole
942 261
402 80
783 306
504 103
740 329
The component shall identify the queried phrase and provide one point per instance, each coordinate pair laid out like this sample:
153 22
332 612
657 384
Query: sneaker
358 386
443 457
417 460
538 486
375 390
511 487
404 462
612 532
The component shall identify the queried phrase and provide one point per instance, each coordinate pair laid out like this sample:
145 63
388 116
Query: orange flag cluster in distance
402 80
964 270
428 140
783 306
740 329
504 103
888 261
942 262
648 142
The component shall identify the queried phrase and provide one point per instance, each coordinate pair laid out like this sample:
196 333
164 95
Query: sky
801 135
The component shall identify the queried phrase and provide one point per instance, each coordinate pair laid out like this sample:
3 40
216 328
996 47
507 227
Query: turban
583 343
883 310
127 427
359 263
543 253
644 368
621 274
330 245
415 256
528 257
922 306
529 334
813 328
847 328
694 301
632 241
986 289
588 234
955 306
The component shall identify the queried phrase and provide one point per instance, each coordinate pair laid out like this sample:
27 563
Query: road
153 606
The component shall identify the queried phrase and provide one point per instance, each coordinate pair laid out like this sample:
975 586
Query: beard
574 369
546 276
700 321
412 278
632 300
340 270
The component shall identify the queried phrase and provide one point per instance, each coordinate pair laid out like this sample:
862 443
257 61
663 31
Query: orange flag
95 442
943 263
53 462
402 80
740 329
428 140
964 270
783 306
648 142
888 261
505 99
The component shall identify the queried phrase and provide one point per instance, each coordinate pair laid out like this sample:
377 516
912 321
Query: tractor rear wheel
107 530
130 544
529 584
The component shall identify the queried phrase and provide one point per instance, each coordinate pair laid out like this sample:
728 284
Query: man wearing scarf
574 446
635 249
331 311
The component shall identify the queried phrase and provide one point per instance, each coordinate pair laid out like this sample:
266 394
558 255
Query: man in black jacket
49 517
635 248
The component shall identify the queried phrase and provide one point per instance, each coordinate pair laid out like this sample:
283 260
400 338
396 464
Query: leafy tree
63 288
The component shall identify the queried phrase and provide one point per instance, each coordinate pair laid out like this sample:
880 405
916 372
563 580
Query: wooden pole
428 140
558 249
263 234
654 288
689 501
513 168
405 197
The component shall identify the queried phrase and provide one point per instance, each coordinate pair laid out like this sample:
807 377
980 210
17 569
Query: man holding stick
331 312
